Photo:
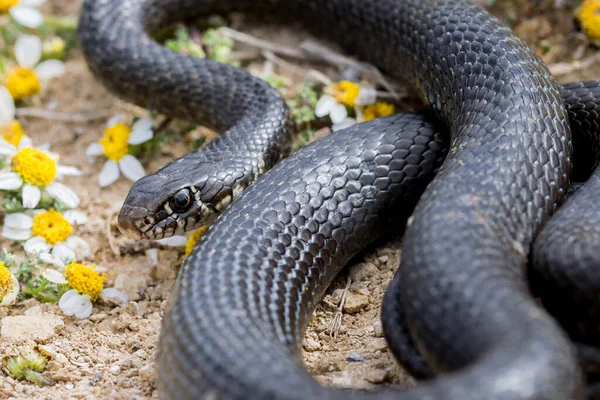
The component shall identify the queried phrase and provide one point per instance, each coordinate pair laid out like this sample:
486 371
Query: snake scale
496 132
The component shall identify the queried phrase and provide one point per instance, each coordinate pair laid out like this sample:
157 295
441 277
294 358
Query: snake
471 182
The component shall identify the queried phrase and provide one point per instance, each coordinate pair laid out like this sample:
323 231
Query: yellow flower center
194 238
6 281
52 226
84 279
345 92
588 15
22 82
114 141
12 133
34 166
377 110
53 48
6 5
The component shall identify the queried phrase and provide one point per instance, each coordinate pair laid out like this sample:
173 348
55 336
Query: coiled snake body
242 300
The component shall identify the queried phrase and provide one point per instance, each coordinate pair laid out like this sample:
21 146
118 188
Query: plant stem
63 23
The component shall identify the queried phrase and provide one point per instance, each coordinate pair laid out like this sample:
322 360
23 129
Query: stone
377 376
133 285
146 373
377 344
310 344
21 328
378 329
355 302
363 271
355 357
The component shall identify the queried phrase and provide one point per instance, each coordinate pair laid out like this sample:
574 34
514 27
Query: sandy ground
110 355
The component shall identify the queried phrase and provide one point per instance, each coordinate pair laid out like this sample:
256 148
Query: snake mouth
126 221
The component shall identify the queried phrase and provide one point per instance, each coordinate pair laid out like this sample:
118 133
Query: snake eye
182 200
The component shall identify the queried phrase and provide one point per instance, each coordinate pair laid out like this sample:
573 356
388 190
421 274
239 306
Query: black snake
241 303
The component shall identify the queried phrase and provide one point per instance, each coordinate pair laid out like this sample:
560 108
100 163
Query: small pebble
98 317
378 329
310 344
141 353
115 369
355 303
363 271
146 373
336 296
98 376
377 344
69 386
355 357
377 376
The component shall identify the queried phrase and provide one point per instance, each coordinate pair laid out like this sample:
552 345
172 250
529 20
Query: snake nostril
147 221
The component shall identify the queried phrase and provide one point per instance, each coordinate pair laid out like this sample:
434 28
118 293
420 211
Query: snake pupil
182 200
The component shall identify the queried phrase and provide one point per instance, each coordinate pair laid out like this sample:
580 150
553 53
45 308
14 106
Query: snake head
168 203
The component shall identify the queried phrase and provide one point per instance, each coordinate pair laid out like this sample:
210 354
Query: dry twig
62 116
336 322
560 69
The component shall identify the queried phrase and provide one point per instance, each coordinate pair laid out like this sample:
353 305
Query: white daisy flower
11 131
47 234
329 106
33 171
87 286
26 79
9 286
336 99
73 303
114 145
25 12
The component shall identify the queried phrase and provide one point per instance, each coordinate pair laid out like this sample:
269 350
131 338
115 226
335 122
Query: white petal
109 173
114 120
338 113
50 259
67 296
27 16
348 122
7 107
11 297
72 303
94 150
324 105
50 69
31 196
27 142
173 241
54 276
36 245
80 247
32 3
10 181
367 95
15 233
131 167
28 49
62 170
141 131
115 296
18 221
60 192
75 217
7 149
46 148
63 252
